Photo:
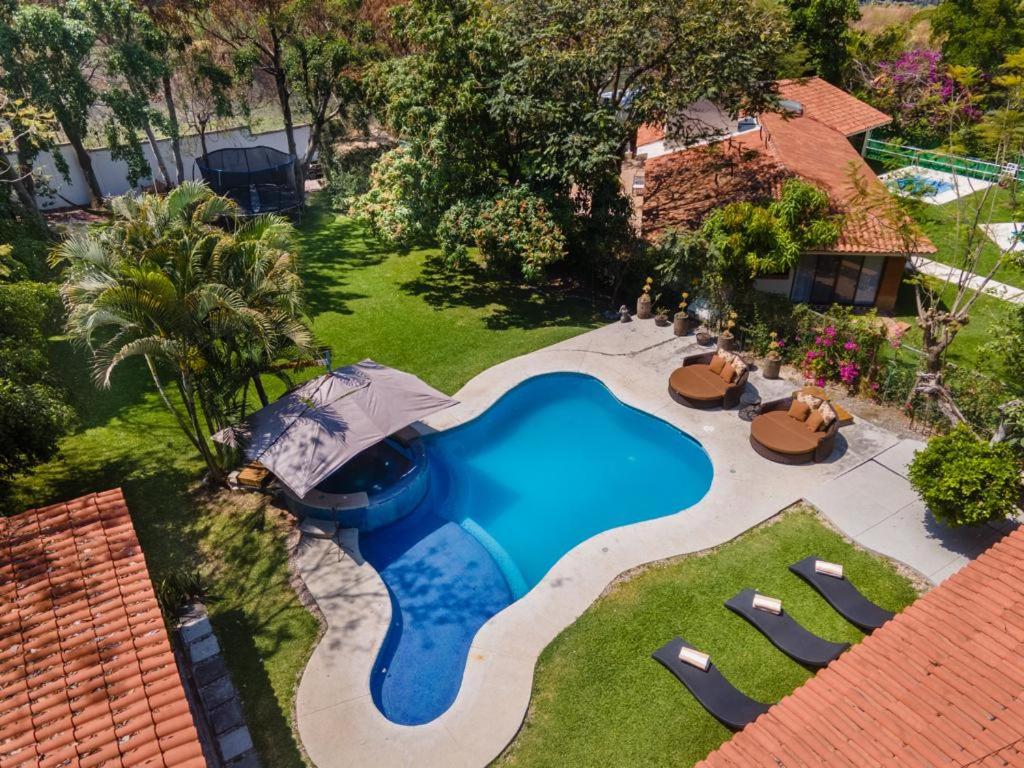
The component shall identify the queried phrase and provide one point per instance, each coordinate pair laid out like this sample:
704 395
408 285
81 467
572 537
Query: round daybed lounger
698 387
779 437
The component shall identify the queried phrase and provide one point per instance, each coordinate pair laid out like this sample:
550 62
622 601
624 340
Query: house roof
87 676
832 106
683 187
941 684
839 110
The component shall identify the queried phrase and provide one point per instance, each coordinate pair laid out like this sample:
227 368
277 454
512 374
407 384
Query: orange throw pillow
815 422
728 374
799 410
717 364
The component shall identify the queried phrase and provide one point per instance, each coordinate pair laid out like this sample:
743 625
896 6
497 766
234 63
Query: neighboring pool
923 186
555 461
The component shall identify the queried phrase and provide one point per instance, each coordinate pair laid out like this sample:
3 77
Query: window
825 279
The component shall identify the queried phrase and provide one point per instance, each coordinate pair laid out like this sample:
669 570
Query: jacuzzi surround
365 503
554 462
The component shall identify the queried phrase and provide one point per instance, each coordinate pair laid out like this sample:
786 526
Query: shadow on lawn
257 617
515 305
331 247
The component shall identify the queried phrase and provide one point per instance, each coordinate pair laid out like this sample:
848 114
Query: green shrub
514 231
348 176
965 481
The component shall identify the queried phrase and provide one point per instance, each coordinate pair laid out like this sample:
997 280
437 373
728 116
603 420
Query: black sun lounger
716 694
842 596
785 633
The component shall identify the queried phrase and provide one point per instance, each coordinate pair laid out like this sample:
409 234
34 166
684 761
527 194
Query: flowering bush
390 205
923 95
513 230
844 349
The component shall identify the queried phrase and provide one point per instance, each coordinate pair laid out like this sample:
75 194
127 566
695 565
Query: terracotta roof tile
87 676
940 684
833 106
681 188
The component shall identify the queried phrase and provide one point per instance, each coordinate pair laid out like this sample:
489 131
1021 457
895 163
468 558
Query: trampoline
260 179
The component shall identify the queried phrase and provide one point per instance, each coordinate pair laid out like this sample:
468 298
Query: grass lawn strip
598 697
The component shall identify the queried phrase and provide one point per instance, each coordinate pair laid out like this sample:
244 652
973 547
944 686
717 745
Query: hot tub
377 487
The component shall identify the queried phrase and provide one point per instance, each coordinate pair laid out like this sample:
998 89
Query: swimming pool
918 185
555 461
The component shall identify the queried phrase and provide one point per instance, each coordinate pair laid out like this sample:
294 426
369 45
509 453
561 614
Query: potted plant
643 304
661 318
681 322
703 334
773 360
727 340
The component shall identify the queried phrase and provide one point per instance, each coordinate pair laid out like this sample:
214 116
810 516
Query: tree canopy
547 97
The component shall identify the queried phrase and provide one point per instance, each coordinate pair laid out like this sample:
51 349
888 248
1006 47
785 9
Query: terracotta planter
704 338
661 320
727 342
681 324
643 307
771 368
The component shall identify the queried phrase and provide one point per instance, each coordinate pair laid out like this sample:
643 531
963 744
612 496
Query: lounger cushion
812 400
815 422
799 411
778 432
728 374
717 364
697 382
827 414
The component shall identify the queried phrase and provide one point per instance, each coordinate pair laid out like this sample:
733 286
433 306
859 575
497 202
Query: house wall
781 286
888 286
113 174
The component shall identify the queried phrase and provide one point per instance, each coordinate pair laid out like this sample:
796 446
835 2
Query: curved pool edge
337 720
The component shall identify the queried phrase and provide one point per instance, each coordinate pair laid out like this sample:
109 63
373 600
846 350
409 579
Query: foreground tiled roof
833 106
87 676
683 187
942 684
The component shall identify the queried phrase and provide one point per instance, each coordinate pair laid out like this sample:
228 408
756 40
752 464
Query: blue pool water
923 186
555 461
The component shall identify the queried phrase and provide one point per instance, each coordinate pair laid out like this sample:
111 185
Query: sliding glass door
837 279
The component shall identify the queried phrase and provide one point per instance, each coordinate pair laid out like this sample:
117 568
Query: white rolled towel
769 604
695 658
829 569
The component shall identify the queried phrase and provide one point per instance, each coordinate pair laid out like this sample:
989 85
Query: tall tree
134 53
323 58
823 27
44 52
257 32
205 308
205 89
978 33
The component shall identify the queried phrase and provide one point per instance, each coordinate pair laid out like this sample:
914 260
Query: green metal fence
891 152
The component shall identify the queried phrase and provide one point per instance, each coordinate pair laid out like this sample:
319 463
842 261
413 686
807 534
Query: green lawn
598 697
940 224
402 310
966 349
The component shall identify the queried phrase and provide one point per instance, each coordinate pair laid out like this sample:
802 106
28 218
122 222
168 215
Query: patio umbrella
309 433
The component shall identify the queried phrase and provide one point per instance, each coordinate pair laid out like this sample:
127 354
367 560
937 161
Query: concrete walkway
874 504
337 720
952 275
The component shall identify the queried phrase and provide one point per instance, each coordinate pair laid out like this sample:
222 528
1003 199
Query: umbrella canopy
309 433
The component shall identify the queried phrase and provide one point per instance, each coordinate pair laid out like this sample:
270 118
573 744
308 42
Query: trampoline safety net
260 179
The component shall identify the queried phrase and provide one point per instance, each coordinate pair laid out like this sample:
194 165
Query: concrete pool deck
337 720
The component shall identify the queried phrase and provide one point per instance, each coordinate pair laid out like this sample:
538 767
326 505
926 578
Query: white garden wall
113 174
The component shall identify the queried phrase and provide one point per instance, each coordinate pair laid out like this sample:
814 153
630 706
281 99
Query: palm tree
207 300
